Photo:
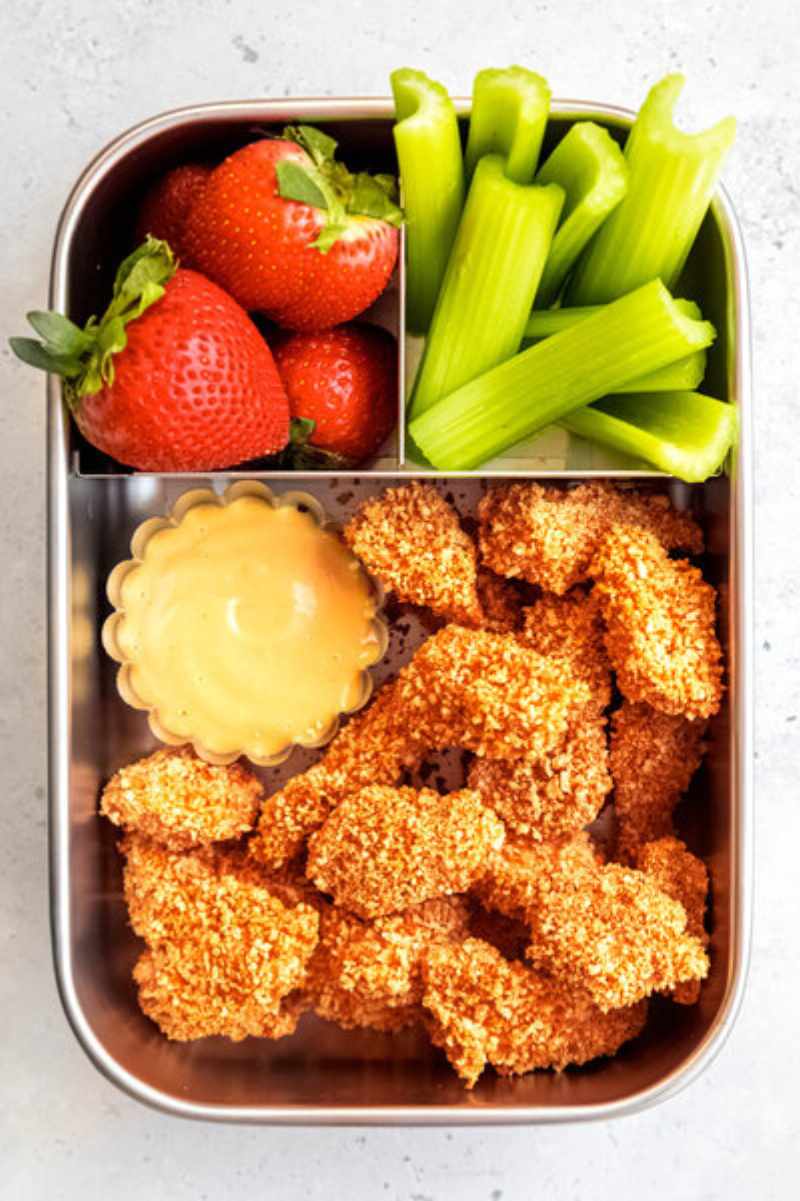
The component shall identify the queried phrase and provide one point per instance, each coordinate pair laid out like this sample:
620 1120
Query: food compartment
104 232
101 234
321 1071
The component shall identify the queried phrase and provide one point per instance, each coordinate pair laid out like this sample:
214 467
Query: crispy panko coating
181 801
367 974
384 849
375 746
463 688
513 876
608 929
486 693
411 539
570 628
548 536
553 796
485 1010
660 617
684 877
224 953
652 756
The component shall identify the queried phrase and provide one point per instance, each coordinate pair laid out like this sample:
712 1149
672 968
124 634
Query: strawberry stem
84 358
326 184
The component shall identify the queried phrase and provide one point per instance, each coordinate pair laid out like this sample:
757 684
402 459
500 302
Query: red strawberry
166 206
289 231
343 380
174 377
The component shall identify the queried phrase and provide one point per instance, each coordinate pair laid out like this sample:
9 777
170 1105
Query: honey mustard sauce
247 627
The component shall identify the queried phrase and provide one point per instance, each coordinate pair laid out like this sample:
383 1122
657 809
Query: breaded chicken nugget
608 929
570 628
464 688
411 539
548 536
660 617
553 796
652 756
181 801
384 849
684 877
484 1010
367 974
488 694
513 877
224 954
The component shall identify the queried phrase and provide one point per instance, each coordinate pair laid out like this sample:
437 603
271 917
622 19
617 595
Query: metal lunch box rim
59 671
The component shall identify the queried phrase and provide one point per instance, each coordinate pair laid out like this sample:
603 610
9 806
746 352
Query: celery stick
685 434
681 376
428 148
544 323
684 375
497 260
670 182
509 114
631 337
590 167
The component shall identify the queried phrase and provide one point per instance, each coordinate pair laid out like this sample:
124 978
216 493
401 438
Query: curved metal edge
58 592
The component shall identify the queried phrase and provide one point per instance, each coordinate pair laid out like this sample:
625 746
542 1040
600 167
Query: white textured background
73 74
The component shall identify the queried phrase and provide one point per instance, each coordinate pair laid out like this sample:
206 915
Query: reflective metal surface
323 1075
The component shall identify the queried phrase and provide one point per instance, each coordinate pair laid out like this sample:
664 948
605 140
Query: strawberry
344 381
166 206
174 377
288 230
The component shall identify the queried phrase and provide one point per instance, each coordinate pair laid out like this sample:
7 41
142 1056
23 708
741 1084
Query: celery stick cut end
687 434
657 116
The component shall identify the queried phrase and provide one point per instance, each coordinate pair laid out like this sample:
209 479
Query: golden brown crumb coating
463 688
367 973
485 1010
486 693
608 929
513 876
181 801
652 756
553 796
548 536
570 628
384 849
375 746
660 618
224 953
684 877
411 539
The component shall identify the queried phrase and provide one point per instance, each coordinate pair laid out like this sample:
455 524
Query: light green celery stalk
510 107
491 279
683 375
671 178
633 336
552 321
428 148
686 434
590 167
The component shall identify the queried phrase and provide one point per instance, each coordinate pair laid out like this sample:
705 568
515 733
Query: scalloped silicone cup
139 541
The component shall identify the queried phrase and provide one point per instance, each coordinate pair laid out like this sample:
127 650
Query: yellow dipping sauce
246 627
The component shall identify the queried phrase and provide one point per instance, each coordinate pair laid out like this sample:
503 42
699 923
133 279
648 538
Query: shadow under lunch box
323 1075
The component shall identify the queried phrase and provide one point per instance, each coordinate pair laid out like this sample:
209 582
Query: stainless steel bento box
321 1074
